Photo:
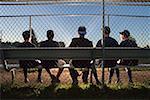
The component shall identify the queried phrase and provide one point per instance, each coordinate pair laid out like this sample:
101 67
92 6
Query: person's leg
118 75
85 75
59 72
40 73
50 74
94 71
25 74
129 74
36 64
111 72
74 75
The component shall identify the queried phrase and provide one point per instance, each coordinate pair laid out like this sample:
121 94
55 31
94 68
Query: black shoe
75 82
130 81
98 83
109 82
55 79
85 82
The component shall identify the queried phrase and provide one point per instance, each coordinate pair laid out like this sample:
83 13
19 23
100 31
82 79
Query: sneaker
118 81
26 80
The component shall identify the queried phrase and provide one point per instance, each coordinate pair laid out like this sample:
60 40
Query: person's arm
135 44
121 44
99 44
57 44
42 44
90 44
33 45
72 44
116 44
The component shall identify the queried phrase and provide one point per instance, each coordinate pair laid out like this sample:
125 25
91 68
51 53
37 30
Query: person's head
106 31
124 35
82 31
26 35
50 34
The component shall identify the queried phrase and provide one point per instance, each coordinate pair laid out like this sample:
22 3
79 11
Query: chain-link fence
65 16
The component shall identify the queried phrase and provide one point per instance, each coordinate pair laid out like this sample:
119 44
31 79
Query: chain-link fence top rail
65 16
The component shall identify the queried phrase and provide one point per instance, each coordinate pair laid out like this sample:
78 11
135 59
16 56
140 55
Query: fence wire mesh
65 16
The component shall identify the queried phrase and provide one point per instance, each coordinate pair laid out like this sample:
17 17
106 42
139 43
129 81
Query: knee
40 67
128 70
25 69
86 70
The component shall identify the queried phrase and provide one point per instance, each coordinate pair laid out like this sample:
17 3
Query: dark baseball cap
107 29
26 34
82 30
125 33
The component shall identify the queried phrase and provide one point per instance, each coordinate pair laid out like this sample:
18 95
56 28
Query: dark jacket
128 43
48 43
81 42
27 63
109 42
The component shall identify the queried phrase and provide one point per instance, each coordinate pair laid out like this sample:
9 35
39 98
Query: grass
19 90
113 91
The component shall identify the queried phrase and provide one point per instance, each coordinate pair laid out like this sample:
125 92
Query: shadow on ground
75 92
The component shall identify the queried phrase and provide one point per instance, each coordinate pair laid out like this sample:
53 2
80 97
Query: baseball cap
82 30
125 32
26 34
107 29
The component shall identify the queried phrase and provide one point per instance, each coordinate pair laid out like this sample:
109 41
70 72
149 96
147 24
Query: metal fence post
108 20
2 57
103 46
30 26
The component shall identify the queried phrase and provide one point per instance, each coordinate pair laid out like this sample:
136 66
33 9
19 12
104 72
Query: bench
74 53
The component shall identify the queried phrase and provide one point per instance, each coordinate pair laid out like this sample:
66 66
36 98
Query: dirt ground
5 77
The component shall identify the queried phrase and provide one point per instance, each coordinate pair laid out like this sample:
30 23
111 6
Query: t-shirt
81 42
128 43
109 42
